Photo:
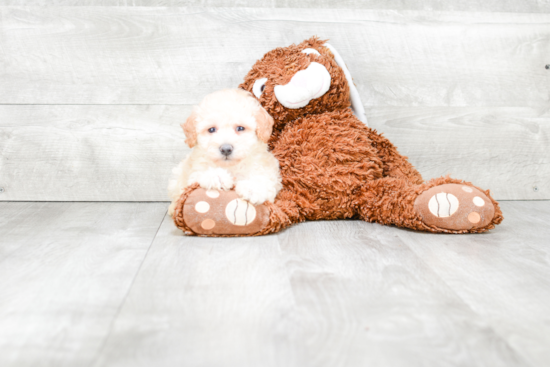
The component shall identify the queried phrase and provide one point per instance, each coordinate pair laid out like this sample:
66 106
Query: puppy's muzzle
226 149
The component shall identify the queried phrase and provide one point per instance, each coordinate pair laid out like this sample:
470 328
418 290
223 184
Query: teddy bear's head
298 80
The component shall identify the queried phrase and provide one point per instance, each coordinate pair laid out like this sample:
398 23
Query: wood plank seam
120 306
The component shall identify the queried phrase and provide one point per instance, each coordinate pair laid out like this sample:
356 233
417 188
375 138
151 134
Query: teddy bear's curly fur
335 167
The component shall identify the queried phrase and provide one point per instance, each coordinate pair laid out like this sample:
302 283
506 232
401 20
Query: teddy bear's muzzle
304 86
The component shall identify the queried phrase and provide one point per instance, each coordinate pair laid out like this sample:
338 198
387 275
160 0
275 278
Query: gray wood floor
116 284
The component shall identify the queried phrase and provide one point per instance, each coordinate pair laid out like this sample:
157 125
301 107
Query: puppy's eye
240 128
212 130
259 87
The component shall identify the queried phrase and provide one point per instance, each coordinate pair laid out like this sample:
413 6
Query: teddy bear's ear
355 98
190 129
264 124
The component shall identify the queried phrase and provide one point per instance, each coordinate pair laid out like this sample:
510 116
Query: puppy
228 132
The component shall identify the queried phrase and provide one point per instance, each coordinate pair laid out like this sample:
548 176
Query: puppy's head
227 125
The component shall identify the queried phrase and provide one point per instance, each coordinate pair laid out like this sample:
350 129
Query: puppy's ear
264 124
190 129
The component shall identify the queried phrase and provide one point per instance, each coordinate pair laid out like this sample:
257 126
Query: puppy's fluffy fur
230 117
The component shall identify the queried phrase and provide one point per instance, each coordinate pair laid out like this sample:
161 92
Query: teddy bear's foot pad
455 207
219 213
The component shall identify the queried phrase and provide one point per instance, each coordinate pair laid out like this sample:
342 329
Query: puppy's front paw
255 192
212 179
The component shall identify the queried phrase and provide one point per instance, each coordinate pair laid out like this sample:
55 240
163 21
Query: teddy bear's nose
226 149
300 80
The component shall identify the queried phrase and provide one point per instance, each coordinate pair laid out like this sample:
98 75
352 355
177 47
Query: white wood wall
91 96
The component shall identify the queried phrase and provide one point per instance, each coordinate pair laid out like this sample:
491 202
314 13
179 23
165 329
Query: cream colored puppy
228 132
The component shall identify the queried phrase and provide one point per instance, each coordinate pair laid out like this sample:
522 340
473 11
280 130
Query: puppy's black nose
226 149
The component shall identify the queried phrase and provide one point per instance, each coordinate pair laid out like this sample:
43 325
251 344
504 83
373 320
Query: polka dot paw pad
213 212
455 207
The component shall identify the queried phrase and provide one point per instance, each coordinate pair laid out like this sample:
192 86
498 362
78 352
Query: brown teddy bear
332 165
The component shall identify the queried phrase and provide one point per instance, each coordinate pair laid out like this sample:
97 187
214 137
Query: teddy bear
333 166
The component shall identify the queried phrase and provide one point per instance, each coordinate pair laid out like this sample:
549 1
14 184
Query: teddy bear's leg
394 164
439 205
222 213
